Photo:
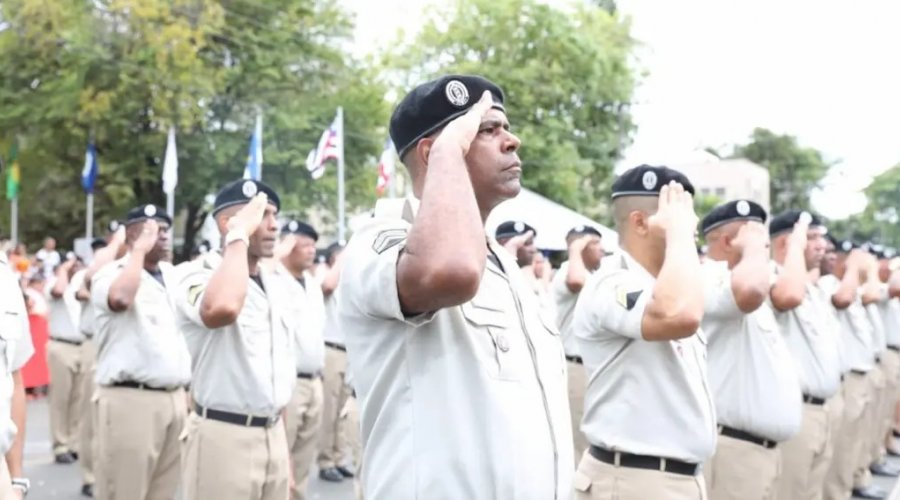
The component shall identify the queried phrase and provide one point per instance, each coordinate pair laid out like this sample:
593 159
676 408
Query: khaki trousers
334 447
303 418
350 415
225 461
138 452
577 385
849 444
871 440
741 470
805 458
64 362
87 441
596 480
890 361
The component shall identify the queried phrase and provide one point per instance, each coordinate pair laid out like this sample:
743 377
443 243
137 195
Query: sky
824 71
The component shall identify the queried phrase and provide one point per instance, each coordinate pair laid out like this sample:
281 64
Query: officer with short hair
143 365
585 252
236 319
303 417
648 414
751 372
518 238
460 379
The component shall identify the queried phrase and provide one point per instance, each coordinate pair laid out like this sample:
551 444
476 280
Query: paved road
63 482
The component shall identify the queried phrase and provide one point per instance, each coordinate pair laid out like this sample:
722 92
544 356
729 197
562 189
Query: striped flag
329 148
170 165
385 168
13 175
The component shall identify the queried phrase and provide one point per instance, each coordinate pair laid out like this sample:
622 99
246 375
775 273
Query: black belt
309 376
235 418
746 436
813 400
858 372
66 341
574 359
644 462
335 345
894 348
138 385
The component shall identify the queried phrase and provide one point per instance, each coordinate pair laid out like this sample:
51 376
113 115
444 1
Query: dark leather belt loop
746 436
137 385
620 459
66 341
575 359
235 418
335 345
812 400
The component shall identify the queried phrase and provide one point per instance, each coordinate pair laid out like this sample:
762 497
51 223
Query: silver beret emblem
457 93
249 189
519 226
149 210
743 208
649 180
292 226
805 217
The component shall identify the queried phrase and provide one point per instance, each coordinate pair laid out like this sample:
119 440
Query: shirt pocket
491 331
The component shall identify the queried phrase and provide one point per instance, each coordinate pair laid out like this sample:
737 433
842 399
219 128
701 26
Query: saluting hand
461 131
751 235
798 237
516 242
675 214
148 237
249 217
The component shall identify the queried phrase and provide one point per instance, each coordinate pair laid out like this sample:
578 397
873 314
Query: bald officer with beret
304 413
460 379
143 365
798 246
648 411
585 252
751 372
236 318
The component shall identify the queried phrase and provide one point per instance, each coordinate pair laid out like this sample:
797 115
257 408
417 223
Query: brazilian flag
13 175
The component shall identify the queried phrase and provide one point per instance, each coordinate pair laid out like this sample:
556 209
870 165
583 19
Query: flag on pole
385 168
170 165
253 170
13 175
329 148
90 170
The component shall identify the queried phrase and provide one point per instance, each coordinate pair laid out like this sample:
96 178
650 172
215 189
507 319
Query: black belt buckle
620 459
66 341
575 359
235 418
746 436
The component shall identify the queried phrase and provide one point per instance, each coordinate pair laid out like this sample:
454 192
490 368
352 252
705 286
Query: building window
720 192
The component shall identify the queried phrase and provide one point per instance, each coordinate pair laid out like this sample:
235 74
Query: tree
123 71
794 170
567 78
878 222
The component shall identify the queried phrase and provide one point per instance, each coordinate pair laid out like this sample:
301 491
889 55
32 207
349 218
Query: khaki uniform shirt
15 348
308 312
855 328
86 318
246 367
814 343
646 398
879 335
141 344
63 313
751 371
565 309
468 402
890 315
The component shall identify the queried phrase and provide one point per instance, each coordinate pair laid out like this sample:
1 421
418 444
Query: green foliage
879 221
566 74
794 170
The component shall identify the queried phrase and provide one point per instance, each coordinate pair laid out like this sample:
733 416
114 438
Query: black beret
98 243
141 213
647 180
512 228
836 243
845 246
432 105
298 227
583 230
785 221
240 192
737 210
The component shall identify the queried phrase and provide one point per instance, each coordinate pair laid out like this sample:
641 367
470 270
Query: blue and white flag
90 170
253 170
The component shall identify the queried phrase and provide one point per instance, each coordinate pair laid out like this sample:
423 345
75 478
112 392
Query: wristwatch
236 235
22 484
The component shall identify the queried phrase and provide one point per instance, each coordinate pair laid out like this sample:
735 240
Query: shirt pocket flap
484 316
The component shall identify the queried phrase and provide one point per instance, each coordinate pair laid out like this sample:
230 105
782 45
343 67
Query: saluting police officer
304 413
517 237
461 381
889 308
143 365
585 252
798 246
648 413
751 372
15 350
235 318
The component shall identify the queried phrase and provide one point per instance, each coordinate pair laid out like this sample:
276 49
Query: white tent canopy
550 219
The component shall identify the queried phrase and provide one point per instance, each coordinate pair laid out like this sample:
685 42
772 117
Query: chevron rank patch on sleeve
387 239
194 293
626 298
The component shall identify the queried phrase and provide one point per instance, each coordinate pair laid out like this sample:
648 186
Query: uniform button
502 343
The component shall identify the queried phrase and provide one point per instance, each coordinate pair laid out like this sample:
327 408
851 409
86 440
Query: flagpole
341 229
14 223
89 230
